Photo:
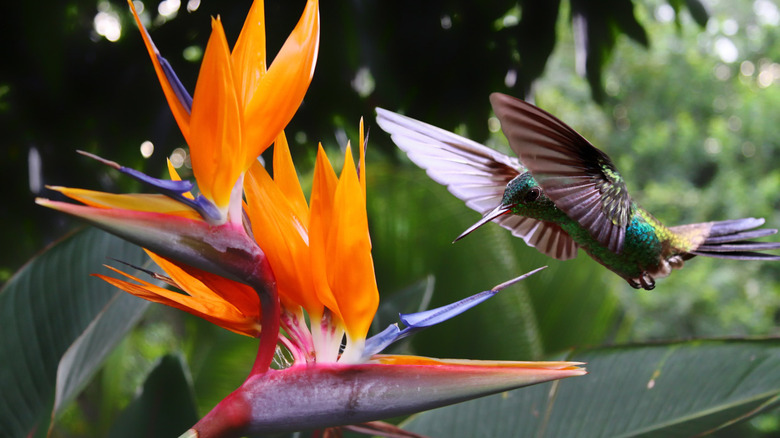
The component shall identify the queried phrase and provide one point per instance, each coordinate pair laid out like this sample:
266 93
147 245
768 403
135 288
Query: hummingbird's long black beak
489 216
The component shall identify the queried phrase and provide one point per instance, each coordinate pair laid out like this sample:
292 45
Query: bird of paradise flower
250 254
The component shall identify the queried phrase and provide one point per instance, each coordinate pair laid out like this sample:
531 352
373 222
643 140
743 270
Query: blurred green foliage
691 127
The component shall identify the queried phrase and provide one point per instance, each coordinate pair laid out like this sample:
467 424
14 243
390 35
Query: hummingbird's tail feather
731 239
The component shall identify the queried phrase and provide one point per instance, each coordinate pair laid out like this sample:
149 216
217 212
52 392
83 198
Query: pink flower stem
264 283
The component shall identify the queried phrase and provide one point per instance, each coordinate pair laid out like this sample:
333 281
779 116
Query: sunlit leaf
87 354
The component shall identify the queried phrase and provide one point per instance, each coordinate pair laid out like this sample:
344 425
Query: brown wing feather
474 173
580 179
546 237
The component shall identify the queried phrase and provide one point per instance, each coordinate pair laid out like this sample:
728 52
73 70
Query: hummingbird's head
523 191
522 196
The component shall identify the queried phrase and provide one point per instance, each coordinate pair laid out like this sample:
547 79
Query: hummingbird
563 194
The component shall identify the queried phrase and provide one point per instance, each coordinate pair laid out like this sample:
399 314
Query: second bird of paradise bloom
306 266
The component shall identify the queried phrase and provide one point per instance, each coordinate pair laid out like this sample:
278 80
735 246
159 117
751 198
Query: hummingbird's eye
532 194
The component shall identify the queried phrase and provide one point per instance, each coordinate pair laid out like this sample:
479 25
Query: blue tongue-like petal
417 321
172 189
178 88
181 93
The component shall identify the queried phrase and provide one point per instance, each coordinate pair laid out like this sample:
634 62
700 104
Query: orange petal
320 220
391 359
283 236
199 283
215 146
351 271
286 178
278 95
175 177
217 311
180 112
248 55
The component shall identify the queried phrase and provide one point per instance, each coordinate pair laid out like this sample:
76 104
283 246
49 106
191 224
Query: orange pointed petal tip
390 359
175 177
249 54
282 234
271 102
342 266
286 178
321 212
177 96
352 281
200 283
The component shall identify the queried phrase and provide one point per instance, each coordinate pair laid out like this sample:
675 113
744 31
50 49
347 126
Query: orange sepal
278 95
283 236
201 283
352 278
175 177
286 179
249 54
216 145
214 310
320 222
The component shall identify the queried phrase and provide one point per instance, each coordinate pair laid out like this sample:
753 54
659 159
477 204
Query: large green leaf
44 308
666 390
86 355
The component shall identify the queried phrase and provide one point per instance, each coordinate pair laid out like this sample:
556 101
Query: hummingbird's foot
644 281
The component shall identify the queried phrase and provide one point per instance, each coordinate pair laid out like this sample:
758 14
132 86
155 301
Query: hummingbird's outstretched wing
474 173
580 179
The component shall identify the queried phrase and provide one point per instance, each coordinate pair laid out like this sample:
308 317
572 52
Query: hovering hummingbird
565 195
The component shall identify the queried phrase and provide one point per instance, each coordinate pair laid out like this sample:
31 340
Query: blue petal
380 341
172 189
164 186
417 321
440 314
178 89
181 92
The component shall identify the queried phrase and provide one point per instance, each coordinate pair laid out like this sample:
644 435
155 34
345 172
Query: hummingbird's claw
644 281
